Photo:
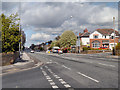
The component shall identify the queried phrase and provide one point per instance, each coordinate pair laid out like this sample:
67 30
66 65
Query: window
105 36
112 37
95 36
96 44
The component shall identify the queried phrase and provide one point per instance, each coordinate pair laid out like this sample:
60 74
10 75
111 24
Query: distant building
84 38
103 38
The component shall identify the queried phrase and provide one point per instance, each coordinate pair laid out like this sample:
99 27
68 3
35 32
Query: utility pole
114 33
19 27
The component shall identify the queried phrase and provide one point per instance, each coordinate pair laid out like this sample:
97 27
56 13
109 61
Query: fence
8 58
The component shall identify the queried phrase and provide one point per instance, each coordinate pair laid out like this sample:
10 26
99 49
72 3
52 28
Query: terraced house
103 38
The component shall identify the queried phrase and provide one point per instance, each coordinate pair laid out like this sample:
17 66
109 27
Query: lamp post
114 33
19 28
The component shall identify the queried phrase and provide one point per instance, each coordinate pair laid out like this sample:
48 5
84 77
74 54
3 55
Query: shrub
86 48
118 46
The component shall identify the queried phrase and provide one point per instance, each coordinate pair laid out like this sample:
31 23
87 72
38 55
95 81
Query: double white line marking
52 83
59 78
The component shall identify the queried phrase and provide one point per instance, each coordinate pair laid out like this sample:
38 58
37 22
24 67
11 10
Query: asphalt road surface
71 72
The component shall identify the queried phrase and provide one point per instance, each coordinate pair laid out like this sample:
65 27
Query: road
71 71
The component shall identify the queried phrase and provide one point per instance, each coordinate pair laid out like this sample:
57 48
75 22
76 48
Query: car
102 48
55 49
60 51
32 51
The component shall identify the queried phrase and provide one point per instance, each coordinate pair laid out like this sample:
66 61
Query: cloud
40 36
49 19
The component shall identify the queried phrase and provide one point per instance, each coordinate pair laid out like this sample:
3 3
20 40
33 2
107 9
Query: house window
95 36
105 36
96 44
112 37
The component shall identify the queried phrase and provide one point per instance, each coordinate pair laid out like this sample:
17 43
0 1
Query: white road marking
16 87
59 79
67 86
50 60
101 58
88 77
46 66
54 86
66 67
52 83
49 79
106 65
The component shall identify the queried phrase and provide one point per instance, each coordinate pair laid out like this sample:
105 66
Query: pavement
24 63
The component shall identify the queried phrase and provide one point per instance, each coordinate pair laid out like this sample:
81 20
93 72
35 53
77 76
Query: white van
55 49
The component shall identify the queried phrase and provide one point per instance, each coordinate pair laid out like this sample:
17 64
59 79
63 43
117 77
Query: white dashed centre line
106 64
88 77
66 67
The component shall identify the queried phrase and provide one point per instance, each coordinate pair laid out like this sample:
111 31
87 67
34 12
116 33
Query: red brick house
103 38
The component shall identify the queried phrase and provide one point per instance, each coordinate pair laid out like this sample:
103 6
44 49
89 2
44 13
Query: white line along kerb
88 77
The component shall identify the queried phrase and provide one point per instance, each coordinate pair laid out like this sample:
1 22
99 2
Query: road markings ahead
88 77
106 64
66 67
49 79
66 85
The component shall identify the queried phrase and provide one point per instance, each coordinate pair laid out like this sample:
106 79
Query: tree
57 38
32 46
118 46
67 39
10 33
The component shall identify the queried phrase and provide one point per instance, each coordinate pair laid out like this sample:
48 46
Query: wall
117 52
8 58
85 40
95 32
94 51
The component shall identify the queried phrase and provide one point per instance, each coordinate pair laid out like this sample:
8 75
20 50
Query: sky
43 21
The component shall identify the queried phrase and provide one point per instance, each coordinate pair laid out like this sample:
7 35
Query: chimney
85 30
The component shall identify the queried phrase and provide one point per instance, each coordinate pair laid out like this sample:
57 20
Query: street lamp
19 27
114 33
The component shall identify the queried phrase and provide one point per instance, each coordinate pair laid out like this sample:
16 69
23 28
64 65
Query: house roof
107 31
84 34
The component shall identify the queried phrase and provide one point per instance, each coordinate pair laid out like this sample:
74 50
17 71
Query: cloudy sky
43 21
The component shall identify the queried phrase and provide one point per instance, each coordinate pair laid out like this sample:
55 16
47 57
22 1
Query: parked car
102 48
55 49
32 51
60 51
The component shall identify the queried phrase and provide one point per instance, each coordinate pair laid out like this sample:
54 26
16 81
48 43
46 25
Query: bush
86 48
118 46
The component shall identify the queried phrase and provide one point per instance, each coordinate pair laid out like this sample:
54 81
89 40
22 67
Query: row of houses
99 38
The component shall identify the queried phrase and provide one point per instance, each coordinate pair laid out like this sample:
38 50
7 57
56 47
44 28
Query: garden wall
117 52
94 51
8 58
